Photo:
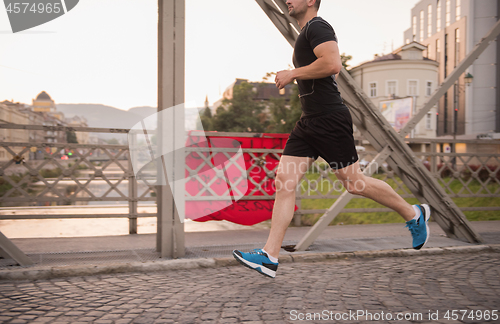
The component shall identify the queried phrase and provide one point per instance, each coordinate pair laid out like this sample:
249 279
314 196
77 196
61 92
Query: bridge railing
70 174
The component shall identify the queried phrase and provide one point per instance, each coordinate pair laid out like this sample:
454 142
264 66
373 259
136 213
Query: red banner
232 175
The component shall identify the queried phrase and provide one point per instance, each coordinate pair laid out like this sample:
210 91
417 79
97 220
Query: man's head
298 8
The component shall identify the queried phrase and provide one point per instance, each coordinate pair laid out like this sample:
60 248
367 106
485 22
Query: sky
105 51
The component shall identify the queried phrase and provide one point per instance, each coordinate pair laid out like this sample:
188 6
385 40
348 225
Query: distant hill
103 116
143 111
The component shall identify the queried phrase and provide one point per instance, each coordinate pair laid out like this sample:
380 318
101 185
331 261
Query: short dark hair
318 2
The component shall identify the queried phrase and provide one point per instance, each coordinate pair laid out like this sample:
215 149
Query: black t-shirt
318 96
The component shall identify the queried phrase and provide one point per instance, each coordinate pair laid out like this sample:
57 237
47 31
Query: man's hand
283 78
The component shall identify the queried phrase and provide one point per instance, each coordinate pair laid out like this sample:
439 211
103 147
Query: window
428 121
421 26
445 55
413 87
428 88
373 89
456 100
457 46
445 110
438 16
448 12
458 10
414 28
438 50
429 21
392 88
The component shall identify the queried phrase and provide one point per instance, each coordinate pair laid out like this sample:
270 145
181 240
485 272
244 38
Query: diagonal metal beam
9 249
277 11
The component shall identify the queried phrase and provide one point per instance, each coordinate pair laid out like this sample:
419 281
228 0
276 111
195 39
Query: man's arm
328 63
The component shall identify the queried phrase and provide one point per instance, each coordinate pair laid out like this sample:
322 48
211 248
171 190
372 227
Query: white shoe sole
427 211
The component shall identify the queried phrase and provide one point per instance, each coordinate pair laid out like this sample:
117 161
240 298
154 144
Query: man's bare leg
290 171
357 183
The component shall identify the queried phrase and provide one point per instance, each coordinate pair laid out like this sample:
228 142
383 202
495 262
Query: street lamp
458 89
468 79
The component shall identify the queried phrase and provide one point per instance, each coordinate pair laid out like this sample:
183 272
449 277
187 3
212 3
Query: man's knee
355 187
285 184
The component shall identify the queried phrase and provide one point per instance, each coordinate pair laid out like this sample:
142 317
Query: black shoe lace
412 227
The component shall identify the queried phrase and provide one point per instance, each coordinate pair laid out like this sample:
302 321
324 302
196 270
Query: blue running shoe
419 228
257 260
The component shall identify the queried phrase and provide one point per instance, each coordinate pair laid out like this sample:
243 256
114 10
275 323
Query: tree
206 120
71 137
345 58
241 113
284 116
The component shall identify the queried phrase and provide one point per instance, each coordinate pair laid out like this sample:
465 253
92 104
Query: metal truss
277 11
10 250
390 145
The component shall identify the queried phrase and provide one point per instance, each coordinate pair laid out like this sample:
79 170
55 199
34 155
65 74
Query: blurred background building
450 29
399 83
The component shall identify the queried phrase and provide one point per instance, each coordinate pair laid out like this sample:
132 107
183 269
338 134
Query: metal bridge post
171 48
132 190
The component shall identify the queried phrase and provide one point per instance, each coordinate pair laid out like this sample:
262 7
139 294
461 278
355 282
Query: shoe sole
427 213
254 266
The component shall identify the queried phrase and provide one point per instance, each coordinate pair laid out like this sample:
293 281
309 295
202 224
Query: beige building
405 73
10 115
44 104
38 118
46 107
450 29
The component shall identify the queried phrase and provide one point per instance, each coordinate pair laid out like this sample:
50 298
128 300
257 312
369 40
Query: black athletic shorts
329 136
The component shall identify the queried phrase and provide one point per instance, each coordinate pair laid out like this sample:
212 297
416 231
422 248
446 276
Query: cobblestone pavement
414 285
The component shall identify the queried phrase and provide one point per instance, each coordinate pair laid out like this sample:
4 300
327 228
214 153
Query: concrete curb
186 264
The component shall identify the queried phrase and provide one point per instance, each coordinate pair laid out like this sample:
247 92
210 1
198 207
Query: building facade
450 29
46 118
405 73
10 115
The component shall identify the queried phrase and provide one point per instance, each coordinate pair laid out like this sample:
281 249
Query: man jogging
324 129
